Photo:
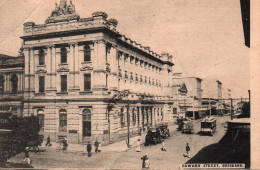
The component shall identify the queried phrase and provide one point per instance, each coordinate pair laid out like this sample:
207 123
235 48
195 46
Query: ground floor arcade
81 121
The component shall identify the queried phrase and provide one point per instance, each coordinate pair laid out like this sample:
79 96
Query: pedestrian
89 148
48 141
96 146
140 131
138 147
65 144
99 147
163 146
146 162
26 156
187 151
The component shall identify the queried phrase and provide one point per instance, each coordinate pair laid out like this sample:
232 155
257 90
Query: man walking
188 150
89 148
96 146
146 162
26 156
48 141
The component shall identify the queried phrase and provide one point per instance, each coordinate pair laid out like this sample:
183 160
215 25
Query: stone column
80 126
20 85
7 80
114 68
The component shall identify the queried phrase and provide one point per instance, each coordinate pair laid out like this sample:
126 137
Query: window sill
85 92
86 62
63 64
40 94
41 66
62 93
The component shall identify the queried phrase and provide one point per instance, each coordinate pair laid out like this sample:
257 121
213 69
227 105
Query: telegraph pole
209 108
193 107
231 105
128 125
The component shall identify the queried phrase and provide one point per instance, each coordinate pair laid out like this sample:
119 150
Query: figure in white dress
138 147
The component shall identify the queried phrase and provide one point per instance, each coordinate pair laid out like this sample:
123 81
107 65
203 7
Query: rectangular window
63 83
174 110
87 82
41 84
87 53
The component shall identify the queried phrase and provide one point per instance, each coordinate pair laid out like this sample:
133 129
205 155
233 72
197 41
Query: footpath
114 147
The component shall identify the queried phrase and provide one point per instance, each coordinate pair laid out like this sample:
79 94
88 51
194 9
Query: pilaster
53 68
112 83
100 66
50 79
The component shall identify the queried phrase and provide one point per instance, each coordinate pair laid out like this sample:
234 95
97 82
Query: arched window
86 116
63 55
63 120
41 57
133 117
2 83
87 53
14 82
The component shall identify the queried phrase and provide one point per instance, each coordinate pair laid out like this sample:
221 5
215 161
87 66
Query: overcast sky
205 37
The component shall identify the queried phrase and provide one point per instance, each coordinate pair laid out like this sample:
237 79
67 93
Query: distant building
188 92
11 84
212 95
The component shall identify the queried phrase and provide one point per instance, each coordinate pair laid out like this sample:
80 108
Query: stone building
212 95
188 92
11 84
86 81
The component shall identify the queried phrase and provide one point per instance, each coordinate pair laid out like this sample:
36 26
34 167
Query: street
172 158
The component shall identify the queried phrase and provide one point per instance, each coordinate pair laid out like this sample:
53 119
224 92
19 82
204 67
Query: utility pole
185 108
193 107
231 105
209 108
128 125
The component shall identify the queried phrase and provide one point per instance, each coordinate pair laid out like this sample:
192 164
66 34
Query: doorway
86 113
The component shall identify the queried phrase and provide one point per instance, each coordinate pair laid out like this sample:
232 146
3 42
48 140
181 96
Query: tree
19 132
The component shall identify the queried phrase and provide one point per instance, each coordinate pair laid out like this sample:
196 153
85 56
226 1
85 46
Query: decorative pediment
41 71
63 70
86 68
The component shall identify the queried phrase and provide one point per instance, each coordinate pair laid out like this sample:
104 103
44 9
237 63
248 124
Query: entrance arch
86 118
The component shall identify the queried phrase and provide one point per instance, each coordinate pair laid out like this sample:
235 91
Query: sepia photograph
125 84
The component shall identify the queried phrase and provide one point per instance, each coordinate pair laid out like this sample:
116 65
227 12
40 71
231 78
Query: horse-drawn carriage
165 132
156 134
187 127
153 136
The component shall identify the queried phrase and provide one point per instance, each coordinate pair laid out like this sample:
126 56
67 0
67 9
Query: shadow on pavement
226 151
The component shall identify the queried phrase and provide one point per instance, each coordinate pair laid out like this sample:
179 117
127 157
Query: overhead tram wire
21 22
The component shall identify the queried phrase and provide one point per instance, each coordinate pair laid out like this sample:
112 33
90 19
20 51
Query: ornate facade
75 68
11 84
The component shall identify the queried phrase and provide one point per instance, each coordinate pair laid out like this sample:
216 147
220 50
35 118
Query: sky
205 37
